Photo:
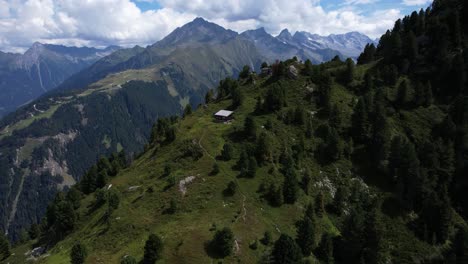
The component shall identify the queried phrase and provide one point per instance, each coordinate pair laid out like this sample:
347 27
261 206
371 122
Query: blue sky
127 23
328 5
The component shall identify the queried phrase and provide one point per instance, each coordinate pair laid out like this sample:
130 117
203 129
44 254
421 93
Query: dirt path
243 207
201 146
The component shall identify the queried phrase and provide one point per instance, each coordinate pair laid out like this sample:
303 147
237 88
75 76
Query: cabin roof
224 113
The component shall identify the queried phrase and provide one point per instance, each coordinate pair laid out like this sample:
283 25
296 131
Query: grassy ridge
204 208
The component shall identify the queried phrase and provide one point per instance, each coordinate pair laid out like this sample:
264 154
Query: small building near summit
224 115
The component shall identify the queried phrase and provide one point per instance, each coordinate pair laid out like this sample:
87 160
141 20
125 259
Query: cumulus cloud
296 15
95 23
121 22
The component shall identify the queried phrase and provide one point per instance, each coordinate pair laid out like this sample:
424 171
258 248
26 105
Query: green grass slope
146 191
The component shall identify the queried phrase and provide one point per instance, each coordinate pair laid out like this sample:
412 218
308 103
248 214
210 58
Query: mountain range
48 144
24 77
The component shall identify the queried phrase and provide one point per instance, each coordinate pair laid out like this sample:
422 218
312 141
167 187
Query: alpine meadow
325 145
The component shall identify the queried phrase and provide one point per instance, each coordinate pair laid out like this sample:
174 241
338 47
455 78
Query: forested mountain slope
24 77
339 164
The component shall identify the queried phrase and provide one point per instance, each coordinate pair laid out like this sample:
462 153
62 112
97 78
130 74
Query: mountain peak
199 20
285 35
199 30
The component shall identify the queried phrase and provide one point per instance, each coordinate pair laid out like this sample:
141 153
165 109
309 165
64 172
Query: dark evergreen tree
245 72
223 242
275 98
252 167
286 251
360 122
65 217
227 152
349 72
187 110
101 179
368 82
335 117
403 93
306 235
34 231
209 96
306 182
88 182
237 96
368 55
290 186
320 204
215 169
325 249
231 189
4 247
324 92
341 199
263 151
153 249
78 253
275 195
412 50
74 197
250 128
376 245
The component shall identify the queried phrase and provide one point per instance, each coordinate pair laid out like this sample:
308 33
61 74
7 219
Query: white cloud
416 2
296 15
96 23
121 22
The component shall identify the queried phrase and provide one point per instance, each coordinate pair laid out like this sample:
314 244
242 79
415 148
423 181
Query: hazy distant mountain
307 46
350 44
24 77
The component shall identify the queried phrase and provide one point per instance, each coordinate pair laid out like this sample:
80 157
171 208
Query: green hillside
307 169
329 163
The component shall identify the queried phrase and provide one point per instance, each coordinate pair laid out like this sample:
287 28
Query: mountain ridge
40 69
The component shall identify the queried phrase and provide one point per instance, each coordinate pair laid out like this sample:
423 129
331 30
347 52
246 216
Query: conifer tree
360 121
290 186
350 71
320 204
34 231
252 167
78 253
227 152
286 251
153 249
4 247
403 93
209 96
223 242
376 245
237 96
412 47
368 82
263 151
341 198
250 128
306 182
325 250
306 235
